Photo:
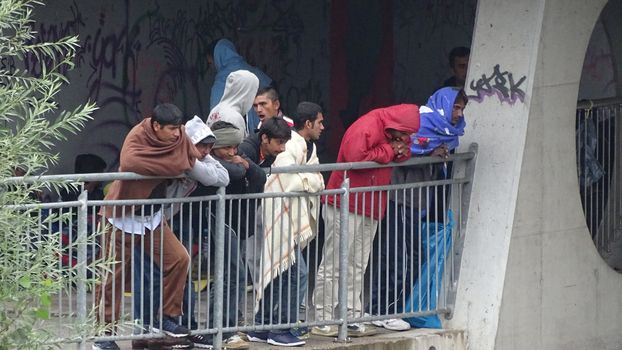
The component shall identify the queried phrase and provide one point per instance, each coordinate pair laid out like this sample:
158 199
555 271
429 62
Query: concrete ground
416 339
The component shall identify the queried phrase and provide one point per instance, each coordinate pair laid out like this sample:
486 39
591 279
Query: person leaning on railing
383 136
288 226
206 171
157 146
245 177
442 123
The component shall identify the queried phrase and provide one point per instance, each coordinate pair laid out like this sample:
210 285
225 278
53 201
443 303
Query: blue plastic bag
435 243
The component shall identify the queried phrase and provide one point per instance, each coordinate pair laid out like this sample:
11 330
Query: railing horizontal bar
283 194
47 205
601 102
410 185
370 165
285 169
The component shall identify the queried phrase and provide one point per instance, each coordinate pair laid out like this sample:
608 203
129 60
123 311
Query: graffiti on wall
135 54
174 44
498 83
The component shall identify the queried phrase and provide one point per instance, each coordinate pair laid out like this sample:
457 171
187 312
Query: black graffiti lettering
500 83
159 55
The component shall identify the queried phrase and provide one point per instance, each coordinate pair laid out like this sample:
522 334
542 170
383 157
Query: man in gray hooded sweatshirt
240 90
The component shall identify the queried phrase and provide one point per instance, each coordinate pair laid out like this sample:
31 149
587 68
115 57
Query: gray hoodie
240 90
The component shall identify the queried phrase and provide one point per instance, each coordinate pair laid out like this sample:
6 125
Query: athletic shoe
393 324
176 343
235 342
361 330
325 331
173 329
284 339
200 341
300 332
161 343
258 337
105 345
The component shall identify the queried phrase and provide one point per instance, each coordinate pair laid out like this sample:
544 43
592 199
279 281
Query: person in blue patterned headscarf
397 250
442 123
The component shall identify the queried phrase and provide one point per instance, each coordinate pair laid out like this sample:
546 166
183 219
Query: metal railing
224 281
598 168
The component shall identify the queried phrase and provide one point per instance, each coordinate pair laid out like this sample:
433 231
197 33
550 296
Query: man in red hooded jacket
382 136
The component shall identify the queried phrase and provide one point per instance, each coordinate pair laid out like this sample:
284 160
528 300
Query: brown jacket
143 153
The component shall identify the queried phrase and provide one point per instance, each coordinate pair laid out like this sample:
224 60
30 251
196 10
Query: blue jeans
396 255
282 296
302 271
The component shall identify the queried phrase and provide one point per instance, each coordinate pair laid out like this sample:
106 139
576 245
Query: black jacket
250 148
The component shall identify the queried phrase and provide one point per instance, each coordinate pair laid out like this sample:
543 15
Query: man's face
395 135
457 112
166 133
265 107
316 127
460 68
225 153
272 147
204 148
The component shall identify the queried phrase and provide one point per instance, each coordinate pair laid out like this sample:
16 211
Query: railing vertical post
464 197
343 261
219 244
81 278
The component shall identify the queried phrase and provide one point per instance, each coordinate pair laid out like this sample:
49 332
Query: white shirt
137 224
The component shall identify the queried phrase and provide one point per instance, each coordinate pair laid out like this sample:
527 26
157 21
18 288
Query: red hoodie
368 139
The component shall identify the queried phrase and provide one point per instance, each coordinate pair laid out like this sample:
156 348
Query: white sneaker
325 331
235 342
356 330
394 324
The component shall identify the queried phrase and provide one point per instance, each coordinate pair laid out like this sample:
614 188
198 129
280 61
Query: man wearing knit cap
245 177
158 146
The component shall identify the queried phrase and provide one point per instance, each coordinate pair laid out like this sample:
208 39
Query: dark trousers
170 257
395 258
233 286
279 304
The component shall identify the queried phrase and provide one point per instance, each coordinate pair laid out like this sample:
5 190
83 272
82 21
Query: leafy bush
30 124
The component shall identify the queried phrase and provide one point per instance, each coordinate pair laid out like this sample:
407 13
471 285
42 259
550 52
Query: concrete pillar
531 277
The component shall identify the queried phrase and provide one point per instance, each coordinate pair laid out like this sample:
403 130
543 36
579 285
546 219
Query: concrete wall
502 65
531 277
559 293
425 32
140 52
612 26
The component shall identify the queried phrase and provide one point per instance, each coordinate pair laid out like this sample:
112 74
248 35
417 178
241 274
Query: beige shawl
288 221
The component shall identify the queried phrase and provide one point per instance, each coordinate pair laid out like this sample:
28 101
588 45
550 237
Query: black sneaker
200 341
161 343
258 336
284 339
105 345
173 329
178 343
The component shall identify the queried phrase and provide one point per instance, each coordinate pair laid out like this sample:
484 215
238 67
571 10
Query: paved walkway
423 339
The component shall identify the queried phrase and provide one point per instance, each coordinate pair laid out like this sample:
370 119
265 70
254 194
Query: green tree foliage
30 123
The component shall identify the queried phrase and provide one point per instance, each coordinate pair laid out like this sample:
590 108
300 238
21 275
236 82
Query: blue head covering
435 123
228 60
